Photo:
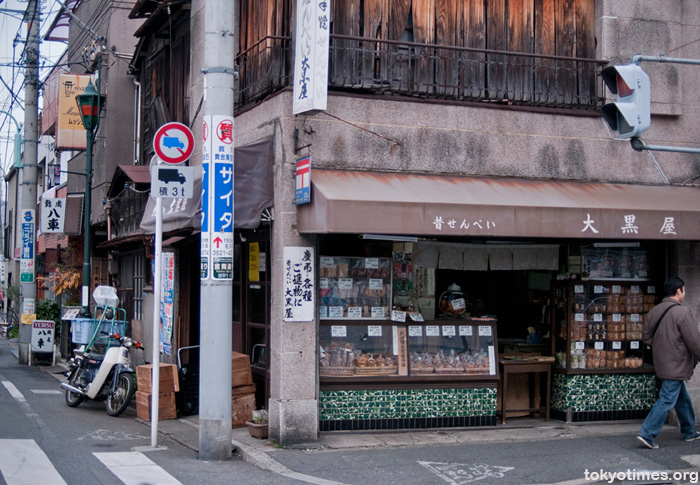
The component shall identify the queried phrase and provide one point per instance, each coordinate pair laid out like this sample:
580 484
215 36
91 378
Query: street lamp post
90 104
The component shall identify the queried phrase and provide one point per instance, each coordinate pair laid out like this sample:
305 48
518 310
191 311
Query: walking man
675 339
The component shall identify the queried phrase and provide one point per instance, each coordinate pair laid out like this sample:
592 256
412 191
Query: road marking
107 435
22 462
693 460
460 473
135 469
14 392
46 391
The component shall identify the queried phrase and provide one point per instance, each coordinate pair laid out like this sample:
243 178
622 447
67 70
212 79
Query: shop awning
425 205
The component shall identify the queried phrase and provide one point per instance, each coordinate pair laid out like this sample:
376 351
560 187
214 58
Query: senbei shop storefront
454 301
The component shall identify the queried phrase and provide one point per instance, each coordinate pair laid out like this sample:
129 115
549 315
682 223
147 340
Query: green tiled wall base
407 403
603 392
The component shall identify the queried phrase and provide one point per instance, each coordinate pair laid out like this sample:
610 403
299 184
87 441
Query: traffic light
630 115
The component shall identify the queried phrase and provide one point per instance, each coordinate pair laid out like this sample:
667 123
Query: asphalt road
77 442
86 446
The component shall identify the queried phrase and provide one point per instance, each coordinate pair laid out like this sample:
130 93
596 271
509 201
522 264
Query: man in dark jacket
674 337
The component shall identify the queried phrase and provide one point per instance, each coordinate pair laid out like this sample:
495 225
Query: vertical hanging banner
167 284
254 262
204 256
312 39
221 198
26 268
299 284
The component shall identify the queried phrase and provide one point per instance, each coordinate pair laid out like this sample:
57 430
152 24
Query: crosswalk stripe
22 462
134 468
14 392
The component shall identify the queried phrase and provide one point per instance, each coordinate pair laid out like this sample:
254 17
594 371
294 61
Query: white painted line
693 460
46 391
22 462
135 469
14 392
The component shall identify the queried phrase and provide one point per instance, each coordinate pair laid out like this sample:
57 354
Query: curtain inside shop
481 257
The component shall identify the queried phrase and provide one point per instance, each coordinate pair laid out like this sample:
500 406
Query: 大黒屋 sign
299 284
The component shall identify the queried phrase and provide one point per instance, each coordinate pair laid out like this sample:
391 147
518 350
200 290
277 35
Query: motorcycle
101 369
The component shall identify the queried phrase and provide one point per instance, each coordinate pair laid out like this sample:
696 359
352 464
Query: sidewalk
260 453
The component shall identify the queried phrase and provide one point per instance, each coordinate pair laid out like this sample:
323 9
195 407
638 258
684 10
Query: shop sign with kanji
53 215
299 284
42 335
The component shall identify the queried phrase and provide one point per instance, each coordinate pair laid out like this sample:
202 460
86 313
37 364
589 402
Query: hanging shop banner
299 281
53 214
167 293
221 198
70 133
205 252
26 263
311 57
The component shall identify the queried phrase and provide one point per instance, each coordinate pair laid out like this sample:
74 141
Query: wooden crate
168 381
240 370
242 408
166 406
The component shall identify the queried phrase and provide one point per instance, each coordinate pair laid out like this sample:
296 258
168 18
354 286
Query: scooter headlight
126 342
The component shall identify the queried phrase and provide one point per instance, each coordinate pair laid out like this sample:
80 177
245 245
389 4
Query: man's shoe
696 436
649 443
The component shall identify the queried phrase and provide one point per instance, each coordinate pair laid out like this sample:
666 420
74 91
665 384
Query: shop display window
467 348
433 349
598 325
358 350
355 288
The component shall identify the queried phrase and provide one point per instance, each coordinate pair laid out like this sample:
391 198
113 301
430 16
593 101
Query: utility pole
216 314
29 171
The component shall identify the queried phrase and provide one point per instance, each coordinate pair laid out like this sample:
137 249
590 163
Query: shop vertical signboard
299 284
312 41
217 199
204 263
26 268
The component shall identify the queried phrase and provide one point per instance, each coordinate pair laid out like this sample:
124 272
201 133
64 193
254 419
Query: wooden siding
461 49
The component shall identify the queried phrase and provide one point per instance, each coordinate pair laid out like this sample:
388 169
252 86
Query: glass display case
355 288
597 326
428 350
358 350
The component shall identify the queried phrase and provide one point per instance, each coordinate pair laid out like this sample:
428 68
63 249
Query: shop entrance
251 306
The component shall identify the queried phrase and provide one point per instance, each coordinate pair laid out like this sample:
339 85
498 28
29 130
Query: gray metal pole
216 313
29 167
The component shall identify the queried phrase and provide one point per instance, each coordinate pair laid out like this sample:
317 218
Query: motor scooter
101 370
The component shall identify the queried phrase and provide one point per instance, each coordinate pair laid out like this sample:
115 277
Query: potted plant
258 426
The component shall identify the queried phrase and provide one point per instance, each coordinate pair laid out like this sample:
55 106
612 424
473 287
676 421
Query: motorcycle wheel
73 399
118 400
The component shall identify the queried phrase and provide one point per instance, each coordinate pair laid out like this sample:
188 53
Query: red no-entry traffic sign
173 143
